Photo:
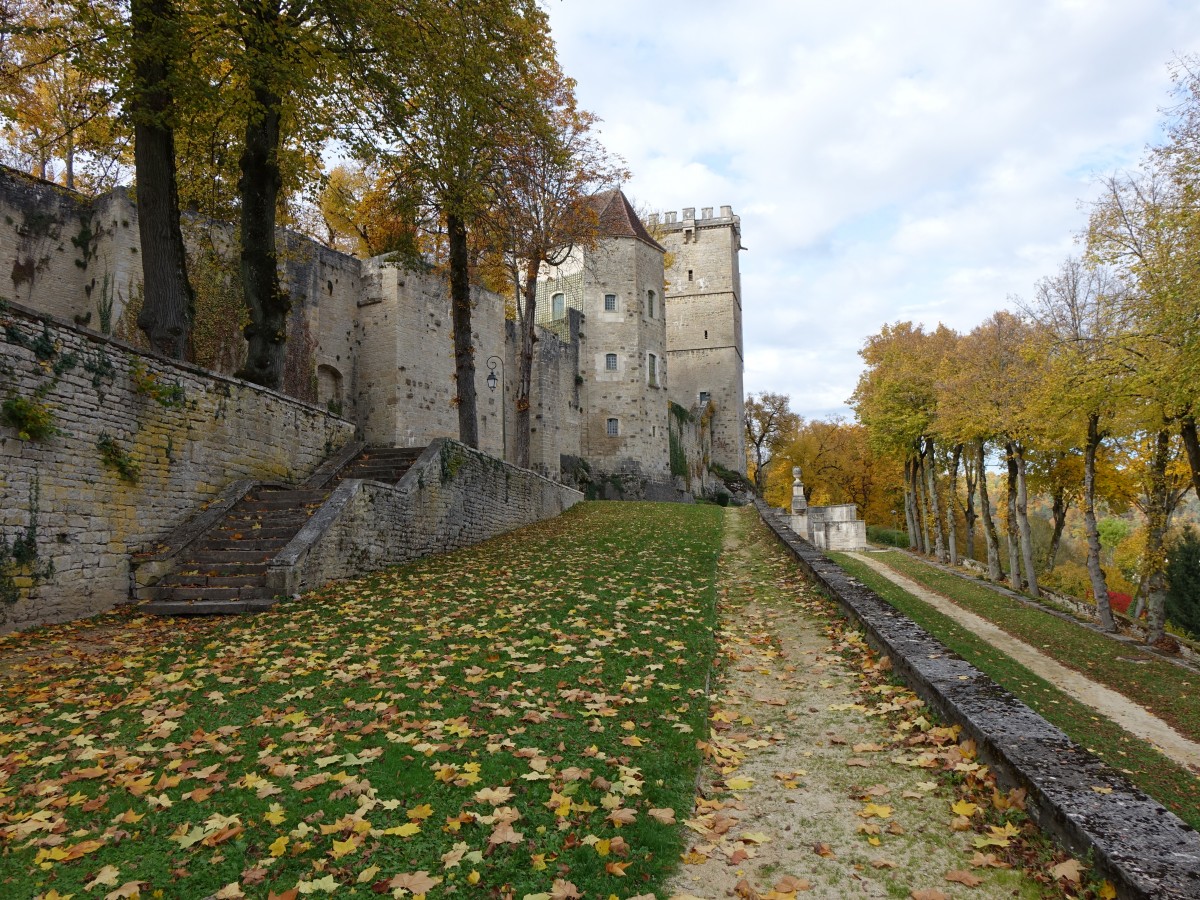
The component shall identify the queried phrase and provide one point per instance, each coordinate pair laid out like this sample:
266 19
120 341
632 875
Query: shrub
32 418
1183 581
891 537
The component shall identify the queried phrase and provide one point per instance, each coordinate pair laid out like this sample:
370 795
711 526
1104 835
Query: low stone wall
136 444
1144 849
452 497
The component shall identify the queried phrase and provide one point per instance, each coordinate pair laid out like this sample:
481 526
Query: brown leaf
824 850
883 863
1070 869
417 882
745 890
962 876
928 894
563 890
289 894
616 868
789 884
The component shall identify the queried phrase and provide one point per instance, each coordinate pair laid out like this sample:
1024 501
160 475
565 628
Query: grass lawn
1167 782
487 722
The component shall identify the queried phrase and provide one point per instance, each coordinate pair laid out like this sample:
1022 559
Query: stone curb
1143 848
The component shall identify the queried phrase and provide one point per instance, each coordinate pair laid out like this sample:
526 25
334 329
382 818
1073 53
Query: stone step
267 531
206 607
227 542
253 579
207 559
193 569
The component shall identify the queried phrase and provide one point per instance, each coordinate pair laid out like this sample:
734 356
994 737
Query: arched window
558 306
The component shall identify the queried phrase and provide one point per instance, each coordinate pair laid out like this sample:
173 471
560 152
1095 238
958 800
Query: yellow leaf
1107 891
964 808
408 829
366 875
278 846
602 846
740 783
875 810
343 848
424 811
473 878
275 815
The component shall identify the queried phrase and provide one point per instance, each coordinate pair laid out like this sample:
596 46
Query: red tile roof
618 219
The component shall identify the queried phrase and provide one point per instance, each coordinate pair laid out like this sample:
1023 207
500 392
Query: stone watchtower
704 322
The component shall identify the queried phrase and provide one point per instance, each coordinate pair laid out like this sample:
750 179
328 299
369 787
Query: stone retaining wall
140 443
1144 849
452 497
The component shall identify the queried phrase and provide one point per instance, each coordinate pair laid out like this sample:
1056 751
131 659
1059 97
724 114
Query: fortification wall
556 411
139 443
452 497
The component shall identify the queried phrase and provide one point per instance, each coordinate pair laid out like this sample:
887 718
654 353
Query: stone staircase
224 571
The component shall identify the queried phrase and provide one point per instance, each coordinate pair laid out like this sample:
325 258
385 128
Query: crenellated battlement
673 221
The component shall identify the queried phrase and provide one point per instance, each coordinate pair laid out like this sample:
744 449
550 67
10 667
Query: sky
917 161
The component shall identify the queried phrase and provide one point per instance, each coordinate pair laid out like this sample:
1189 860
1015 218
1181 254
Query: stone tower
704 322
618 286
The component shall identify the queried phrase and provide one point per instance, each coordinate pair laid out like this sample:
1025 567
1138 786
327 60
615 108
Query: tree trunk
1014 541
1158 517
1023 529
951 527
525 375
168 304
258 193
990 536
922 502
935 513
910 507
970 473
1191 443
1058 513
1095 573
464 351
69 161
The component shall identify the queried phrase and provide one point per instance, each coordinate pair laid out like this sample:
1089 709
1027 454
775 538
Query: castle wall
180 434
404 352
704 323
556 411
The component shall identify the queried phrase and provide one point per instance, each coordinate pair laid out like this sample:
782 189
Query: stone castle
116 463
623 337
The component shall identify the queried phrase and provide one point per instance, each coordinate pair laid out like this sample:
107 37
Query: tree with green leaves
441 127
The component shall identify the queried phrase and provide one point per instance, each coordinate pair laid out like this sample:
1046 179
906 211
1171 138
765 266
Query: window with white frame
610 302
612 428
610 362
558 306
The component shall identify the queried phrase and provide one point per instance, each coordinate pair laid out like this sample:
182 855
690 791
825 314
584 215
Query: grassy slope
562 665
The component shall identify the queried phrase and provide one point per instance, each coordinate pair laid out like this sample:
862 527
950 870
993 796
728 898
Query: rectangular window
610 362
653 370
703 399
558 306
612 428
650 303
610 302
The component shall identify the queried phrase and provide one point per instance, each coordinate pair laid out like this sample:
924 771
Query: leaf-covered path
824 779
1116 706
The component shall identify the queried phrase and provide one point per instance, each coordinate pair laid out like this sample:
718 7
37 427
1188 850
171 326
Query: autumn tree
768 419
548 196
440 129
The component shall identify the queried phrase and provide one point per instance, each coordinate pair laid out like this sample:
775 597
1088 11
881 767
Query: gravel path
810 789
1117 707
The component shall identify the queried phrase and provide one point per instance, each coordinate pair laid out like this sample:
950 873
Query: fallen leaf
664 816
928 894
106 877
1069 869
962 876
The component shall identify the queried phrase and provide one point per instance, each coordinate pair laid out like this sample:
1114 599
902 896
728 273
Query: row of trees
465 142
1090 390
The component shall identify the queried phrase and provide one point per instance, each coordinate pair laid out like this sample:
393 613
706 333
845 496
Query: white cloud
922 160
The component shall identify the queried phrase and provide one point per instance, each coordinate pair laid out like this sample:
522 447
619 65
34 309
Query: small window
612 428
610 302
650 304
703 399
706 334
653 363
610 362
689 274
558 306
